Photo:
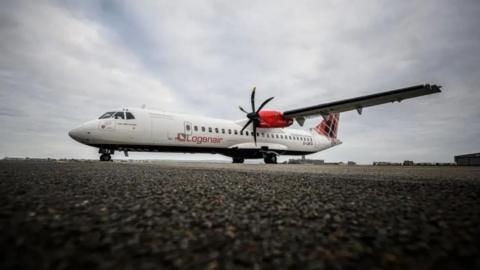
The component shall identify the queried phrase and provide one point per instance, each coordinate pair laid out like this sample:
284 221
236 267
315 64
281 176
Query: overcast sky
65 62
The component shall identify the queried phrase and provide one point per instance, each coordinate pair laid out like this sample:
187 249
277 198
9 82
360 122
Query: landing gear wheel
270 159
105 157
238 160
106 154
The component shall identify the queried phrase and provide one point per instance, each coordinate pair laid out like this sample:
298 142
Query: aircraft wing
359 103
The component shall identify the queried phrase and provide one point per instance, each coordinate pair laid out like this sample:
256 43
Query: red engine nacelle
273 119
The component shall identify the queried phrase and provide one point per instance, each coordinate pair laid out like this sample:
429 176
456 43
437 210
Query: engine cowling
273 119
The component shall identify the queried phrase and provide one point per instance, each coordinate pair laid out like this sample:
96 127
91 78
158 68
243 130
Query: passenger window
246 133
187 127
281 136
119 115
263 134
276 136
229 131
235 132
289 137
203 129
129 116
216 130
241 132
223 130
268 136
195 128
210 130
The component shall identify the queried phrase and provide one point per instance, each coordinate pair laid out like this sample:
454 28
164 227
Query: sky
63 63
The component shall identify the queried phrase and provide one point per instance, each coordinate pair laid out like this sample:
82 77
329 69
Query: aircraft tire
238 160
105 157
270 159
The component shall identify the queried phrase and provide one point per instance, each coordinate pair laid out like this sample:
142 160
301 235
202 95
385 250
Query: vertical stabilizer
329 126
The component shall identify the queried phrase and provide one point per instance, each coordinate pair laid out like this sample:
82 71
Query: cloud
66 62
57 70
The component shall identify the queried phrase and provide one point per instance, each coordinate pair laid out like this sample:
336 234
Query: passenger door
187 128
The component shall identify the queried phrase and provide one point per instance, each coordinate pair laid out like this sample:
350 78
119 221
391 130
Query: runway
175 215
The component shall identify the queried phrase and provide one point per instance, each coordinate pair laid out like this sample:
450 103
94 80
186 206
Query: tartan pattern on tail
329 127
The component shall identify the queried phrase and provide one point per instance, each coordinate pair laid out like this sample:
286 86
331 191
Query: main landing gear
105 154
270 159
238 159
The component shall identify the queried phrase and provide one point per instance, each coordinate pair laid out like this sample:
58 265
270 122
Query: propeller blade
246 125
255 134
264 103
242 109
252 99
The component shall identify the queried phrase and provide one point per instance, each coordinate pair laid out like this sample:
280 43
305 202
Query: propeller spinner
254 117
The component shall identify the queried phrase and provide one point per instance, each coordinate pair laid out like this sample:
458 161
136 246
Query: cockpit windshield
118 115
107 115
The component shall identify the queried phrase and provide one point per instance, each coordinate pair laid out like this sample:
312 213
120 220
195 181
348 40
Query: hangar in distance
262 134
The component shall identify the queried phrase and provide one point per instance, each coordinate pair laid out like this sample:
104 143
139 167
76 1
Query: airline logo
106 125
181 137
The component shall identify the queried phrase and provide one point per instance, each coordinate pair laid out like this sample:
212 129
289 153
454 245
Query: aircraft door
316 141
187 130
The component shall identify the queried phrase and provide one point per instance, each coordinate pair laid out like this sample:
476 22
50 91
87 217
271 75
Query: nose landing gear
105 157
105 154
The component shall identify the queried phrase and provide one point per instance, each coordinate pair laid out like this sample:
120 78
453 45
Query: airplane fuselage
158 131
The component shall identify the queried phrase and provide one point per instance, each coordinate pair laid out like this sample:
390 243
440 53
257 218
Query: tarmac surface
92 215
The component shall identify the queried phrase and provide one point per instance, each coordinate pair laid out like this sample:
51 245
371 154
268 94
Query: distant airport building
385 163
468 160
408 163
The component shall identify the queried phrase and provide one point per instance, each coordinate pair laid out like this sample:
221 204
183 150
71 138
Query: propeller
253 116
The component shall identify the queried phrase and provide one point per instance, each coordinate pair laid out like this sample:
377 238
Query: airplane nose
75 134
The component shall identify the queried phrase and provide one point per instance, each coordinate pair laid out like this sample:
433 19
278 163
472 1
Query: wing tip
434 88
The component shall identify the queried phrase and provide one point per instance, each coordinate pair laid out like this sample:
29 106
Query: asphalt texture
92 215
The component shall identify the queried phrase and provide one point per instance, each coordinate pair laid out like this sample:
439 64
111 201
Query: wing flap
359 103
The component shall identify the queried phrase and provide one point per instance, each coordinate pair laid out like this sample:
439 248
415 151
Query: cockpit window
130 115
106 115
119 115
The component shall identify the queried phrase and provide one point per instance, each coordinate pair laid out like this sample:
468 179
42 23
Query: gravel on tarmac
168 215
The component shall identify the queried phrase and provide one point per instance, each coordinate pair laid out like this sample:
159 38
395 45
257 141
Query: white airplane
264 134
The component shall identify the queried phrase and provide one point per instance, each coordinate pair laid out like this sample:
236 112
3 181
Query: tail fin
328 127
